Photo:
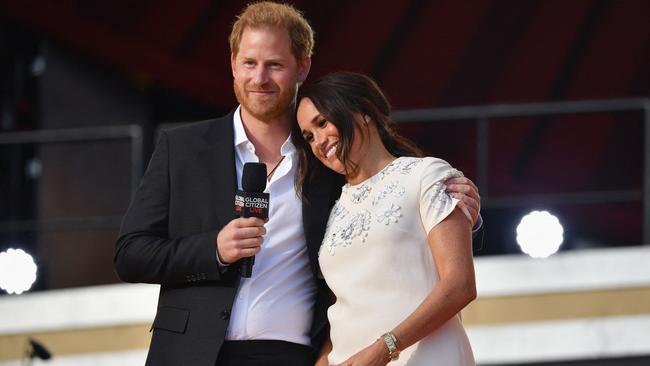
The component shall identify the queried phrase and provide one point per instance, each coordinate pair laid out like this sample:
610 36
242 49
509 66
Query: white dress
376 259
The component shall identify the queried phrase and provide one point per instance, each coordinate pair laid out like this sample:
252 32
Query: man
179 231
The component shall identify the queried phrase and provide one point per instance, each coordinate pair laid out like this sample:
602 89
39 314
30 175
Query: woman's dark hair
337 97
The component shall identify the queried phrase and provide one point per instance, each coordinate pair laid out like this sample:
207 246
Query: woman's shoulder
422 163
429 168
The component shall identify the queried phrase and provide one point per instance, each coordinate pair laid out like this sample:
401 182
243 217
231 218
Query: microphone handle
259 207
246 266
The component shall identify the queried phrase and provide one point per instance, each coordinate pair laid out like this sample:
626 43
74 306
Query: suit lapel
218 156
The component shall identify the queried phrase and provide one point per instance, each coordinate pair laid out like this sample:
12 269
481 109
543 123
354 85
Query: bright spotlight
17 271
539 234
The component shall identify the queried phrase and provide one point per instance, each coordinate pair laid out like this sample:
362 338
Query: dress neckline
372 177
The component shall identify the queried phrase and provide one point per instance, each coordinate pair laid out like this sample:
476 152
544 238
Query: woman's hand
375 354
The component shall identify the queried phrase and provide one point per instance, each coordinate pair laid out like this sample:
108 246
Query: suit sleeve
144 252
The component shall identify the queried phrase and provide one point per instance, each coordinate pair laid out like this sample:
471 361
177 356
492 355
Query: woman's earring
366 119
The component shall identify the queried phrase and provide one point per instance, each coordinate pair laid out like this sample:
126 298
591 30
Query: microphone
251 201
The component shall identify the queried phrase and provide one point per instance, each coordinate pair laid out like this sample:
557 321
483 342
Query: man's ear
232 63
304 66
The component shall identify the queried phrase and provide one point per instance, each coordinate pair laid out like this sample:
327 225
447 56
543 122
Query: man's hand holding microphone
241 239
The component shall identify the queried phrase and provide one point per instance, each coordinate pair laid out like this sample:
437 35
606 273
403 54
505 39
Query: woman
396 254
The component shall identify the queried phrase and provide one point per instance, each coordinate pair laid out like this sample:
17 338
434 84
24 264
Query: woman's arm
451 246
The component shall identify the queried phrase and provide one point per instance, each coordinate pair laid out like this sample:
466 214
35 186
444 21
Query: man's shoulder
199 127
324 178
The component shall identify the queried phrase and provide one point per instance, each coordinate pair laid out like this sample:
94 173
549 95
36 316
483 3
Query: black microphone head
254 177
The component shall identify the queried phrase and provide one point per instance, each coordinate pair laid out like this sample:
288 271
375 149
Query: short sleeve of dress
435 203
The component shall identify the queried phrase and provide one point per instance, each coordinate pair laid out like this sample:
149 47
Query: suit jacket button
225 315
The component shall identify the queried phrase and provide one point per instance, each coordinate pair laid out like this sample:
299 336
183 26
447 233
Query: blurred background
544 104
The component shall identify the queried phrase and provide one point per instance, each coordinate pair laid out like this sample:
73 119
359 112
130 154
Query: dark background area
81 64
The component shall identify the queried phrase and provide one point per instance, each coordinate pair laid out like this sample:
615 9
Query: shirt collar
288 148
241 138
240 132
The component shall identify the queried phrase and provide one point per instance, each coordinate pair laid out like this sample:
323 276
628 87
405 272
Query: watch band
391 342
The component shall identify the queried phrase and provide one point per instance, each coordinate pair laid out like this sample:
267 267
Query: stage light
17 271
540 234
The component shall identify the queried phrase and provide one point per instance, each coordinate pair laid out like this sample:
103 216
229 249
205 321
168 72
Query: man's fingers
249 242
469 204
461 180
473 214
458 188
242 237
243 222
465 211
463 188
248 232
248 252
462 184
468 200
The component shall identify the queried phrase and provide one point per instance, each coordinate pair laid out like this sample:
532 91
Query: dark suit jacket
168 237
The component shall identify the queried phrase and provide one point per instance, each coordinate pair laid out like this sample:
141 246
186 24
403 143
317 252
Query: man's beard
270 108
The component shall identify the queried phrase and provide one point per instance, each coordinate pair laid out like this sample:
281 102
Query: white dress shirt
277 301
